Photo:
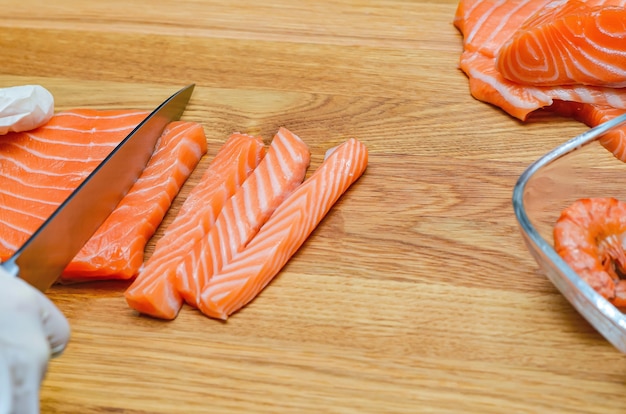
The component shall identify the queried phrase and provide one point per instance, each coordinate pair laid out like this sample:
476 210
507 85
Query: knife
43 257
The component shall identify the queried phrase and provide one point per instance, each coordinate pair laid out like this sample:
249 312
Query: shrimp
590 235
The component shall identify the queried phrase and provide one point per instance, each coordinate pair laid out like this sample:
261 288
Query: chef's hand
24 107
31 330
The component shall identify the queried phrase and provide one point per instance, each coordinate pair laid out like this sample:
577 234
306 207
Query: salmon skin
250 270
276 176
486 25
154 291
43 166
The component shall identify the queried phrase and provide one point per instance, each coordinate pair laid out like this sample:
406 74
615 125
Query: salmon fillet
568 43
40 168
277 175
116 250
486 26
250 270
153 292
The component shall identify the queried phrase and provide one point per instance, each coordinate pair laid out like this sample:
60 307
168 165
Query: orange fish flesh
250 270
153 292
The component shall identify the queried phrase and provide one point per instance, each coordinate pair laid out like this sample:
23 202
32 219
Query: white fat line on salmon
481 21
185 144
12 226
92 130
23 213
37 138
615 100
150 173
8 246
35 200
39 186
116 116
112 228
504 90
54 157
504 21
240 221
32 171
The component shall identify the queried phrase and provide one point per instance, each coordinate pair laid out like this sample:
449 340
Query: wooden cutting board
415 294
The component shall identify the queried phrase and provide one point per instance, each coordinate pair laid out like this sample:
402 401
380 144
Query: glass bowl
579 168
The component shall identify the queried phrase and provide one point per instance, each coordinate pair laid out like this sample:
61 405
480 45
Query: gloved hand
31 329
25 107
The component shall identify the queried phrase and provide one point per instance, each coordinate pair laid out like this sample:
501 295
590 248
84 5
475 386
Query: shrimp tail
613 257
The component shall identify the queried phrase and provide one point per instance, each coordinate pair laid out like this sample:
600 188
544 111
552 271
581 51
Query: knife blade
43 257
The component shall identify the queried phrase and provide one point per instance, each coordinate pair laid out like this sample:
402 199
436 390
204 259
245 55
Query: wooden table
415 294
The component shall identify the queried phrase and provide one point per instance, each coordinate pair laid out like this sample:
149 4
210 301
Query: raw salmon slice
476 20
487 24
40 168
277 175
569 43
241 279
153 292
116 250
488 85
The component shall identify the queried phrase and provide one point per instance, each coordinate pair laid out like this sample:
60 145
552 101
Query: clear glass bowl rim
613 319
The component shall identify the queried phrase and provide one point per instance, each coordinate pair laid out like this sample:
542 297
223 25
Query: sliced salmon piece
487 24
249 271
570 43
488 85
116 250
277 175
153 292
476 20
41 167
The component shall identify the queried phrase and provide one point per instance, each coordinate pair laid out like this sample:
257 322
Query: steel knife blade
43 257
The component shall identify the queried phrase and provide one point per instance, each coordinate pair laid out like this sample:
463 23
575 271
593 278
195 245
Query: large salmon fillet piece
486 25
153 292
568 43
116 250
250 270
40 168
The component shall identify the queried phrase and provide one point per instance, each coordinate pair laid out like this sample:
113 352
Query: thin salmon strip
40 168
278 174
570 43
242 279
116 250
616 3
153 292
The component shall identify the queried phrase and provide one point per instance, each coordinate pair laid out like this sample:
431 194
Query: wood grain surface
415 294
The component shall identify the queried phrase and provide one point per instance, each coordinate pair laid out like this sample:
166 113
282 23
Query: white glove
23 108
32 329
